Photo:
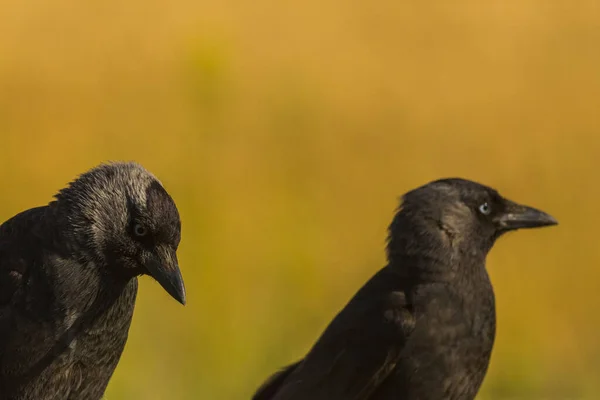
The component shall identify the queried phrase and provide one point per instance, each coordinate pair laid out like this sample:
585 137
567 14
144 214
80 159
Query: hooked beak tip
178 293
551 221
169 277
181 298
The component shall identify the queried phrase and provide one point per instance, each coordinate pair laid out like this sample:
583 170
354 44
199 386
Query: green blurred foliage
286 132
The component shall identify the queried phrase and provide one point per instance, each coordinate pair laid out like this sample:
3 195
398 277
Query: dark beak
163 267
517 216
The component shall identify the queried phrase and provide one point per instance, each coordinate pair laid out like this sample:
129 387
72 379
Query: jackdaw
423 327
68 280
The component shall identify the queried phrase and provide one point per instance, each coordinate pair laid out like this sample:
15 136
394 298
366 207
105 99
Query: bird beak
162 266
517 216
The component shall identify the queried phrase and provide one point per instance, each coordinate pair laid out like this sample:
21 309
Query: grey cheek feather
107 217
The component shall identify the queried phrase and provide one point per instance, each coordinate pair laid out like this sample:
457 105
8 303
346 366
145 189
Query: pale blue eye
140 230
485 209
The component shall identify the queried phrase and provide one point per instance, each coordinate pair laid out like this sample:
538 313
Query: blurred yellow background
286 131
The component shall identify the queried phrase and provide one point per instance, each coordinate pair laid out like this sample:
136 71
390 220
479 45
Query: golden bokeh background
286 131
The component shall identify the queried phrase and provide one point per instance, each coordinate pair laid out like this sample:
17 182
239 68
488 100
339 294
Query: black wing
269 389
19 248
357 351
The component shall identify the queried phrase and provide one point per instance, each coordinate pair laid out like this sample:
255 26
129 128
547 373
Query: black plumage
68 280
423 327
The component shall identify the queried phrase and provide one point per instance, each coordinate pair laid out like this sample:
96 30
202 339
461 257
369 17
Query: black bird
423 327
68 280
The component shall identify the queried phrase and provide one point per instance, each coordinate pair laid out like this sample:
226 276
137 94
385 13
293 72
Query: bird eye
140 230
485 209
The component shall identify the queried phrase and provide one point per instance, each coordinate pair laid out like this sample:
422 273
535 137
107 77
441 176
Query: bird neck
421 249
71 233
431 268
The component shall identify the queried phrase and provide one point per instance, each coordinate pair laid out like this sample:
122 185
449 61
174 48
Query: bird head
458 216
123 219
